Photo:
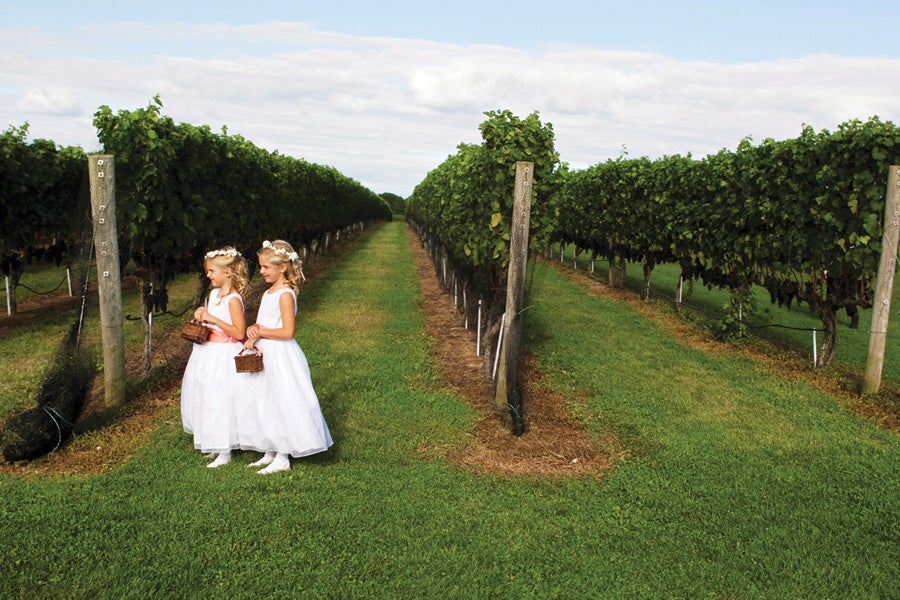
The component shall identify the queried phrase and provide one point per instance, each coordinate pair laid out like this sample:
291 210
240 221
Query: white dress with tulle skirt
208 386
277 409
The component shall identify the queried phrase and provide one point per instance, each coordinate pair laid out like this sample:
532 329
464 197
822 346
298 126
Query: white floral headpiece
230 252
282 252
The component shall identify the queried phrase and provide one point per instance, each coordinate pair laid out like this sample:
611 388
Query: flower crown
230 252
282 252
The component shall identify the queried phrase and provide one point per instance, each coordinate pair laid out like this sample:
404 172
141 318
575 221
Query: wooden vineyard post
884 285
101 169
510 377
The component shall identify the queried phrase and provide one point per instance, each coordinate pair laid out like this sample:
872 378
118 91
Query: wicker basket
249 363
195 331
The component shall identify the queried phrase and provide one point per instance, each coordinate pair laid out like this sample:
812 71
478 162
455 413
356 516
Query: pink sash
221 337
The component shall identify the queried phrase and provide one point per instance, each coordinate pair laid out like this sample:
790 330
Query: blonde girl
208 387
278 411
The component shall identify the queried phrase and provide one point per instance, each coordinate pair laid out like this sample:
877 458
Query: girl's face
216 274
270 271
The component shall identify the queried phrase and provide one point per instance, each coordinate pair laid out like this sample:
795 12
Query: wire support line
168 313
54 415
34 291
748 324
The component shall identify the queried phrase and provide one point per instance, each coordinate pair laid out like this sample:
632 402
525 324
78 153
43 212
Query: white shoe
222 459
280 463
267 458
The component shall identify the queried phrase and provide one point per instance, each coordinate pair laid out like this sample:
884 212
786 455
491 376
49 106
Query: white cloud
50 101
387 111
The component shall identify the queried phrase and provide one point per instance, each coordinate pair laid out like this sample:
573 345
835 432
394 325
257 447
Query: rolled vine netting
61 396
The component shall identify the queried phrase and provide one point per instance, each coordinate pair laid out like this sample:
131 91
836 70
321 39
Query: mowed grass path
731 484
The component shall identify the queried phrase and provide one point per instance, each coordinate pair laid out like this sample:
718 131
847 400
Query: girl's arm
286 331
238 327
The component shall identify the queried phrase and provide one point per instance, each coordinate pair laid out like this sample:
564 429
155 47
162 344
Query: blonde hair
281 252
229 259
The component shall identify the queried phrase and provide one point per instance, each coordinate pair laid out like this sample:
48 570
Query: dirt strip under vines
554 444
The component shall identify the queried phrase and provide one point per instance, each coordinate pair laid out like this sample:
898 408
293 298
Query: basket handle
254 349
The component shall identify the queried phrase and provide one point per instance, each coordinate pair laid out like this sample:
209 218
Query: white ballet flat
222 459
281 463
266 459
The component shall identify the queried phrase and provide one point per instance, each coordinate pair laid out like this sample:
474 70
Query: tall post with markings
884 285
510 379
102 174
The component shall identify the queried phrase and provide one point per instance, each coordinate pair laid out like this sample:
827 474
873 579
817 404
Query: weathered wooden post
101 168
884 285
510 377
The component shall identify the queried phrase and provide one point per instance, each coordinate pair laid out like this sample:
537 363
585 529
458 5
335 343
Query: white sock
267 458
280 463
222 459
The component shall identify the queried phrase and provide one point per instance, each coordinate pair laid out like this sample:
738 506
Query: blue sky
385 91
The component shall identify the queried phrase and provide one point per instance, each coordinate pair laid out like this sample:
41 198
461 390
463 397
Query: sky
385 91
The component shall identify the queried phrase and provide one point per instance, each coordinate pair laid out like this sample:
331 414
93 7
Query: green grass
767 320
733 484
755 486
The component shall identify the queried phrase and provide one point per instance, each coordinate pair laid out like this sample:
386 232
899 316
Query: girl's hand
205 316
253 333
249 344
200 313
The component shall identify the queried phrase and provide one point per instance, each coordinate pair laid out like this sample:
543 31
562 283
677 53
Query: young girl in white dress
277 408
208 387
